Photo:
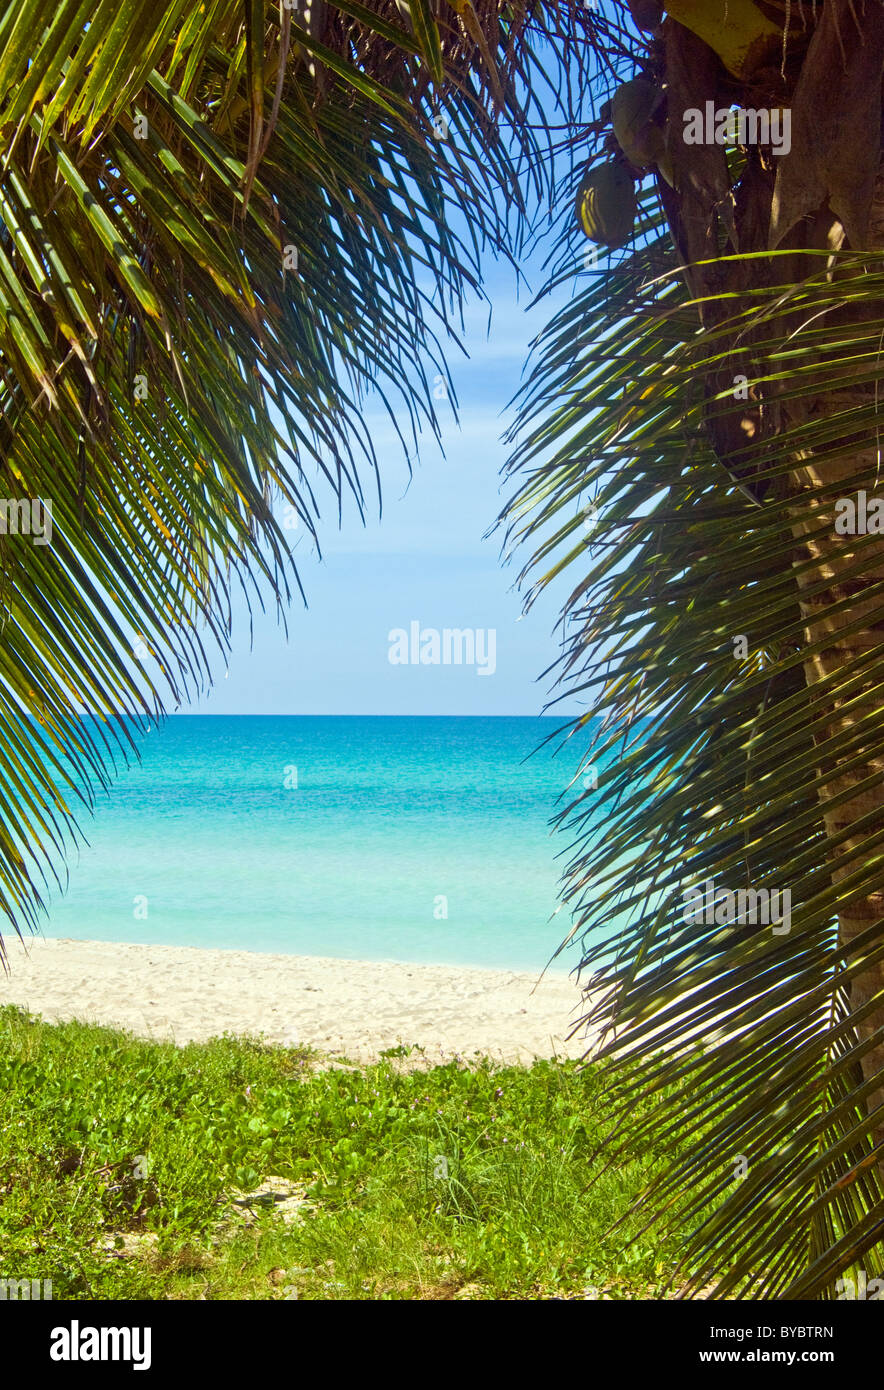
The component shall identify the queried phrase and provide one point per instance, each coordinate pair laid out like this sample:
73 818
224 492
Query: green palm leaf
221 227
728 647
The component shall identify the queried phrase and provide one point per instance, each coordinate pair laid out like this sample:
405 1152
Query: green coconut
606 205
632 109
637 133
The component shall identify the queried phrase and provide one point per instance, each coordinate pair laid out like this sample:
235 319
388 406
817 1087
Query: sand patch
343 1008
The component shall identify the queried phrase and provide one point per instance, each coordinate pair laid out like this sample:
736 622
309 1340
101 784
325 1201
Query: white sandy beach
343 1008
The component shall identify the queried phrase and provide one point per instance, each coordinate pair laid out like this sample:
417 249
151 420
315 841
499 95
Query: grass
119 1158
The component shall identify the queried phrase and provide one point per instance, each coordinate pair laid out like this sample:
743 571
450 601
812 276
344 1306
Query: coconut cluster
606 200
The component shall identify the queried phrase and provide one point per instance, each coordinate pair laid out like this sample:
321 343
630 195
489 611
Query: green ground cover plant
124 1164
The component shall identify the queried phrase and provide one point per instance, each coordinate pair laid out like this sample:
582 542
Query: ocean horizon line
309 714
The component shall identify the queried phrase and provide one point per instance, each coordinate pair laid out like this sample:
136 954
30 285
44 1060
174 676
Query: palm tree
221 227
711 399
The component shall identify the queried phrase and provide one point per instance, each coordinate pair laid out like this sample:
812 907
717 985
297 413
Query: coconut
606 205
632 108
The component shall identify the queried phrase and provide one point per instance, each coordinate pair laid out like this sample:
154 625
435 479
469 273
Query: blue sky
425 560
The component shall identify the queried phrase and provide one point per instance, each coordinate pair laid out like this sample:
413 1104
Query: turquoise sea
336 836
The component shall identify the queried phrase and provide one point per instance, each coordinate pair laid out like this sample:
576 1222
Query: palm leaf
757 1047
221 228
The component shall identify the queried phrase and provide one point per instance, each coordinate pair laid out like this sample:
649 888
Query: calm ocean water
348 837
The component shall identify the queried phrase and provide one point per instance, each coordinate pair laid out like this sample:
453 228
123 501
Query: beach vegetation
132 1169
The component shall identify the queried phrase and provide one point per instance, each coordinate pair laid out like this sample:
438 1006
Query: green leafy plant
457 1180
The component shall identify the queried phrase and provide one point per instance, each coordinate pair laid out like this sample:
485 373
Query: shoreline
342 1008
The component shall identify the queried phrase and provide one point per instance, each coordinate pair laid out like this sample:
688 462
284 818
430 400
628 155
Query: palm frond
697 604
222 227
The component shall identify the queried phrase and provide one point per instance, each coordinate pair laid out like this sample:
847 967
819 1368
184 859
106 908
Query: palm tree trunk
849 635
